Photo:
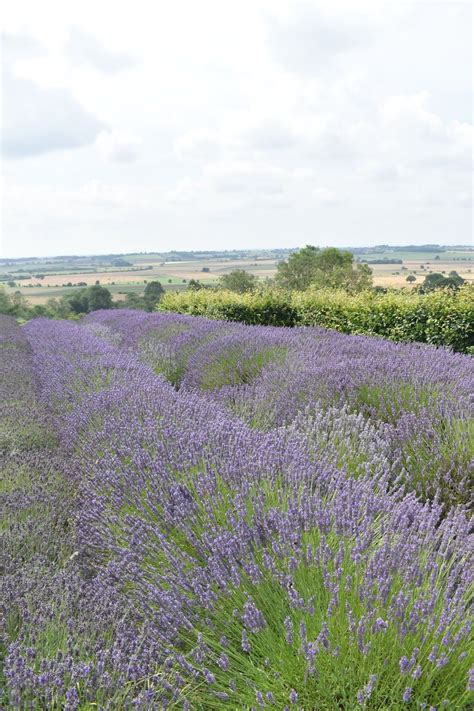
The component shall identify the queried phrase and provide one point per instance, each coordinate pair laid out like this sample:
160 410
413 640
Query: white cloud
308 37
464 199
36 120
324 196
246 177
421 136
384 170
197 144
186 191
16 46
84 49
237 114
266 134
409 113
118 146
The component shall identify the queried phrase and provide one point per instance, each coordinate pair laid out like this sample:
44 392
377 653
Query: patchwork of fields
200 514
42 279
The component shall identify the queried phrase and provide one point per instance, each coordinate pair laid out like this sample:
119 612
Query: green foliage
5 302
91 299
153 293
134 301
438 281
440 317
98 297
239 281
15 305
298 271
329 267
235 367
195 285
266 306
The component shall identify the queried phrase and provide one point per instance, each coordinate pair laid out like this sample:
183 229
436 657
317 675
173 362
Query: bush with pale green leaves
441 318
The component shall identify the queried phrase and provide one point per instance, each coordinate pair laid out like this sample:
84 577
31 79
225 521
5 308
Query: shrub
441 318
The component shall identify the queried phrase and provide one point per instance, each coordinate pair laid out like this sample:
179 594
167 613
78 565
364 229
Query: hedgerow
440 318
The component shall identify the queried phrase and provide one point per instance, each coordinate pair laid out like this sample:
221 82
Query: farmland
43 278
201 514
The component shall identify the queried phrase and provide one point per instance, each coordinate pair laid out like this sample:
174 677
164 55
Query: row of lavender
238 535
363 404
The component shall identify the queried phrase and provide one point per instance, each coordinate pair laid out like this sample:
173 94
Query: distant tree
456 279
99 297
19 301
134 301
78 302
331 267
97 282
205 269
435 280
5 302
194 285
239 281
153 293
11 284
40 310
93 298
59 308
299 270
411 278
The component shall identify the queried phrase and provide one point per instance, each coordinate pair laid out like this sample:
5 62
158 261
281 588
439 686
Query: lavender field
198 514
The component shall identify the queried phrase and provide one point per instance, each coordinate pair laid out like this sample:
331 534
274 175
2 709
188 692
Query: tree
455 279
331 267
78 301
435 280
99 297
298 272
59 308
134 301
411 278
93 298
153 293
194 285
239 281
5 302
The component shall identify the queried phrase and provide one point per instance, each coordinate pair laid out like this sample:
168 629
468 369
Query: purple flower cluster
365 404
240 517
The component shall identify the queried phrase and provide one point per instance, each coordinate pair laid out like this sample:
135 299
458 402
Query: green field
40 279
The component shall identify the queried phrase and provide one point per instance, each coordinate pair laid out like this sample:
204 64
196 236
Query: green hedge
443 317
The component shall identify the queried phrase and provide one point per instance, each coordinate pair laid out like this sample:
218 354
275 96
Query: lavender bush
222 516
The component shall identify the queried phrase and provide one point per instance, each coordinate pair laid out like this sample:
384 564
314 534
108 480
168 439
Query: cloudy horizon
257 124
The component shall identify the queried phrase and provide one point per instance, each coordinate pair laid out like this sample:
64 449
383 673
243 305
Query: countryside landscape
43 278
201 513
236 356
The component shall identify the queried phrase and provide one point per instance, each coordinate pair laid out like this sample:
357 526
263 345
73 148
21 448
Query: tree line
308 268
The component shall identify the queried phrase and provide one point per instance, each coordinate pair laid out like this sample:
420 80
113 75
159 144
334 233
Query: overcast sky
220 124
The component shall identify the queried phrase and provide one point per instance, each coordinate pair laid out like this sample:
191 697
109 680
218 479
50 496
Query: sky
222 124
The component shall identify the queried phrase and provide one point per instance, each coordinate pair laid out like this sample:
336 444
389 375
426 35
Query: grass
238 367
